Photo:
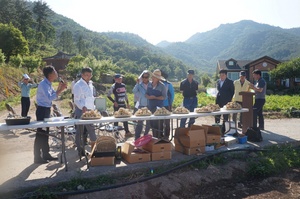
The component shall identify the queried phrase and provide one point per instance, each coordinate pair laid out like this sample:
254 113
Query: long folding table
80 122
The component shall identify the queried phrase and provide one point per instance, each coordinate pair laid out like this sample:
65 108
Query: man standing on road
84 101
189 88
140 90
26 84
260 97
120 99
44 97
240 85
225 93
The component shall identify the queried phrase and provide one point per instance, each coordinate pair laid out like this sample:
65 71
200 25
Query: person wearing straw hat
26 84
156 93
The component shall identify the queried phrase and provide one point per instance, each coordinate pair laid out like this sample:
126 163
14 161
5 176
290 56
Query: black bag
254 134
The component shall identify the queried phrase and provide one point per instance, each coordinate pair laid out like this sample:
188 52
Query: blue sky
174 20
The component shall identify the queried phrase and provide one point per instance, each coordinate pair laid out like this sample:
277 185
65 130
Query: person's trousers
218 117
25 103
259 104
190 104
234 116
42 135
157 128
167 124
139 128
125 124
89 128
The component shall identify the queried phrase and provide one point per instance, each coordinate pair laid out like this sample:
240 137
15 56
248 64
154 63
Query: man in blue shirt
26 84
260 97
44 97
156 93
189 88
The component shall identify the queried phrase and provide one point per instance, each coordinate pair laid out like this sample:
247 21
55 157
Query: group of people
229 90
153 94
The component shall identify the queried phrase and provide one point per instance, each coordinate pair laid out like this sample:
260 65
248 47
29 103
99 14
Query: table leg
63 148
82 145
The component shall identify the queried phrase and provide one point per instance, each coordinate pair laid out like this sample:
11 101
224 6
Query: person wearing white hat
156 93
25 84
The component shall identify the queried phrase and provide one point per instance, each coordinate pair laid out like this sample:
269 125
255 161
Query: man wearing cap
140 90
156 93
25 84
118 89
225 93
240 85
189 88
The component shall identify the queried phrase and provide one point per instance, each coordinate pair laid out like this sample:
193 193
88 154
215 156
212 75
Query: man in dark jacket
225 93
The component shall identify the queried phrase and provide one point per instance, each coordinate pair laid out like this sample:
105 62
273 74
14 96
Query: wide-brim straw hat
157 73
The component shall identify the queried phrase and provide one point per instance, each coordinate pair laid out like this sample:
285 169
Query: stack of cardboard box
194 140
160 149
133 155
190 141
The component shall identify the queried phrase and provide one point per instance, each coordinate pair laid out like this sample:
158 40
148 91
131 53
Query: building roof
60 55
240 64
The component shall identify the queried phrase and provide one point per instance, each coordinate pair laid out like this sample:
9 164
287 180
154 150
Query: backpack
254 134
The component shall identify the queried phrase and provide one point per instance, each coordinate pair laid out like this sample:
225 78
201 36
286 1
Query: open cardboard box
189 138
130 156
158 145
101 161
213 134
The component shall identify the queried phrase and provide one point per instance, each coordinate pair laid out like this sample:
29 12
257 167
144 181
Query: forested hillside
43 33
242 40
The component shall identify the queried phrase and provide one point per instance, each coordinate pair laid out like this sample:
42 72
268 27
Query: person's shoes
261 128
40 161
50 158
240 125
236 134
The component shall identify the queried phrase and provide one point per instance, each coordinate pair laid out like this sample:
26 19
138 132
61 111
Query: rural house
265 64
59 61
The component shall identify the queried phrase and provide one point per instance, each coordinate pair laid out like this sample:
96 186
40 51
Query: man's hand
150 96
116 104
84 109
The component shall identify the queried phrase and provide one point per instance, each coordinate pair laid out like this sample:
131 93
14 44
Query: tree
66 41
2 57
45 30
290 69
12 41
31 63
205 79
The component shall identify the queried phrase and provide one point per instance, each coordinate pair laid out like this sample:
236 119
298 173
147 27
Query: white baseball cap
26 76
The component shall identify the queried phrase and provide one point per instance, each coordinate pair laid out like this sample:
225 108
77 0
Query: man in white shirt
84 101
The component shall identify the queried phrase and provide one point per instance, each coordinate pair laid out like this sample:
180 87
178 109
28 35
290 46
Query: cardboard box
190 138
190 151
101 161
213 134
165 155
158 145
130 156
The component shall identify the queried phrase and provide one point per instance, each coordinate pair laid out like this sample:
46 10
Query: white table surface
70 122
